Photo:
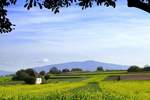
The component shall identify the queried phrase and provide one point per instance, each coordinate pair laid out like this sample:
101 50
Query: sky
118 35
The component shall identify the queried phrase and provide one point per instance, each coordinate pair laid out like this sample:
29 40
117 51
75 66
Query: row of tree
30 75
135 68
55 70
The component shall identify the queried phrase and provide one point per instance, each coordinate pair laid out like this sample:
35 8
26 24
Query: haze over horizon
114 35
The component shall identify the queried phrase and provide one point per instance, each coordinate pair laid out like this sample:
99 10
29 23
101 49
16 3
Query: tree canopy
100 69
54 70
134 68
54 5
28 75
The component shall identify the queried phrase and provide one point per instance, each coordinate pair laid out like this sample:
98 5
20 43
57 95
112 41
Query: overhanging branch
139 4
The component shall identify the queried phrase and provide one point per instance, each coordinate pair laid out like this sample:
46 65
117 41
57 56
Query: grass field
77 86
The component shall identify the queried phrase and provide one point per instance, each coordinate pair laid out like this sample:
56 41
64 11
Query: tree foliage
65 70
138 69
42 73
30 80
28 75
99 69
5 25
54 70
46 77
146 68
134 68
76 69
54 5
20 75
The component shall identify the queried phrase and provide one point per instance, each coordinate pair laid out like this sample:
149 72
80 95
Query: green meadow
77 86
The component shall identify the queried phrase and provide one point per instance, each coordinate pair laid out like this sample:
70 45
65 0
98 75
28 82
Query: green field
76 86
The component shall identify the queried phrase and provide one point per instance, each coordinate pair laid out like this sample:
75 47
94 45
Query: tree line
29 75
136 68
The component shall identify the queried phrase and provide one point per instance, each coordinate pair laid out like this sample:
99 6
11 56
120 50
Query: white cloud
45 60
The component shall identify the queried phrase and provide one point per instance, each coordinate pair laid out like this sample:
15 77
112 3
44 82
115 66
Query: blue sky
119 35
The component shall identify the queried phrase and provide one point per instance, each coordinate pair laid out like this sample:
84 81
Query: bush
134 69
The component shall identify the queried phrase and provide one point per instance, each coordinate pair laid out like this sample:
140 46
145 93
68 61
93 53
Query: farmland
77 86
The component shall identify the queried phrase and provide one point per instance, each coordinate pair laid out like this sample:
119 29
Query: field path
91 87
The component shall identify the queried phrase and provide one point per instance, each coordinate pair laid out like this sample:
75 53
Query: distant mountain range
85 65
89 65
3 73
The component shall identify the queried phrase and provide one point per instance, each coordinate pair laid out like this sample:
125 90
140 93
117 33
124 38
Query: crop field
78 86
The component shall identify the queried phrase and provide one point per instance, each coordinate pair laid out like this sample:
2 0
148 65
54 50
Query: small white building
38 81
